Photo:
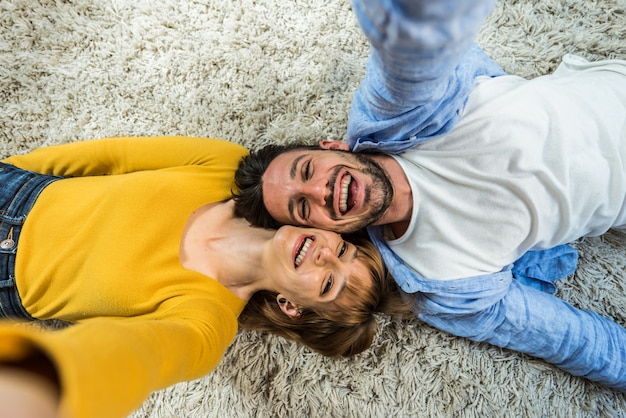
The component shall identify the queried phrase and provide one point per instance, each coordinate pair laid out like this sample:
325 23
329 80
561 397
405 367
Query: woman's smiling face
311 267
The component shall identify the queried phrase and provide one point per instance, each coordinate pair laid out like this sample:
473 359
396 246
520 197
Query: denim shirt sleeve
502 311
422 66
541 268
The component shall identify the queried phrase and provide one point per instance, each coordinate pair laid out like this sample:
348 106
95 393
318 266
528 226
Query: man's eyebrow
294 165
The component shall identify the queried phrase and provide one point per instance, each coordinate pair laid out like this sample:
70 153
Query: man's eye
304 208
306 170
329 285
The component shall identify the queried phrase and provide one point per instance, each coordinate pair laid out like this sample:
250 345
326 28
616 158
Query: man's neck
398 215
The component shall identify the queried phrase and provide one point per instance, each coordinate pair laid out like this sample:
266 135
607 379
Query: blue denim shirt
420 72
501 310
422 67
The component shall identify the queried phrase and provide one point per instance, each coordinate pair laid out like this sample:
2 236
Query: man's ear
334 145
287 307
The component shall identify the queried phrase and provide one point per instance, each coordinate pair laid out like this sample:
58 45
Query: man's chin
352 225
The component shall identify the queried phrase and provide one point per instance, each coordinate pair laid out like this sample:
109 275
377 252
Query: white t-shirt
532 164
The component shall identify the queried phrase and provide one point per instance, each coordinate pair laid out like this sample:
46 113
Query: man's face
327 189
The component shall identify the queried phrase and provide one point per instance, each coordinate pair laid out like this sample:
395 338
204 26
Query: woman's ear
287 307
334 145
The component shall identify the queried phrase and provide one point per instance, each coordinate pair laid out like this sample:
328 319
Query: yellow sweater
101 248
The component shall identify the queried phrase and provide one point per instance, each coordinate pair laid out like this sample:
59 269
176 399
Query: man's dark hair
249 185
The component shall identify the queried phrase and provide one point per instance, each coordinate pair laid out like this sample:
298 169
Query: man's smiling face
327 189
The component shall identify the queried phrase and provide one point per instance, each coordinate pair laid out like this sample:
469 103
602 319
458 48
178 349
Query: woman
134 241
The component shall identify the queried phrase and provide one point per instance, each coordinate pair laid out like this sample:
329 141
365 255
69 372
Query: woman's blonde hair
345 331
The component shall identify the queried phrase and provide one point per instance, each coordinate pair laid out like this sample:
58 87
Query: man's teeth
303 250
345 185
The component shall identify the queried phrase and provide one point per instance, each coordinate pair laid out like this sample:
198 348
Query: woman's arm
29 383
125 155
25 394
108 366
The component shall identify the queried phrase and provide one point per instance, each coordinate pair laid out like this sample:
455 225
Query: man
494 174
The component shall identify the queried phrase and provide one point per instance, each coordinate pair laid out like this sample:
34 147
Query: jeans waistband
19 190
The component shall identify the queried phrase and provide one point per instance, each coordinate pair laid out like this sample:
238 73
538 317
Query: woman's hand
24 394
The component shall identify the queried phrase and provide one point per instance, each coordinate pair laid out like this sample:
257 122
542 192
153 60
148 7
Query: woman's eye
307 170
329 285
343 249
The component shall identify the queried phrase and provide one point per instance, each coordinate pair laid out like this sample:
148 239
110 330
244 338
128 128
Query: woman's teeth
303 250
345 185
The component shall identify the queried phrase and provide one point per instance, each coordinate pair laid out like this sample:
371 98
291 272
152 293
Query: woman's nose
323 256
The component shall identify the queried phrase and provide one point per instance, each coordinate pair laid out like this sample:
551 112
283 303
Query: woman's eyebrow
355 255
341 289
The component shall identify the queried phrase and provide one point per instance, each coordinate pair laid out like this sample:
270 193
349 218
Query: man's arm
422 67
536 323
500 310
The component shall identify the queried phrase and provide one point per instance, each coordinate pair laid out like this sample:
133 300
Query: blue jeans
18 191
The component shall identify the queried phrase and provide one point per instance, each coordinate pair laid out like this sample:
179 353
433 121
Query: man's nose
316 191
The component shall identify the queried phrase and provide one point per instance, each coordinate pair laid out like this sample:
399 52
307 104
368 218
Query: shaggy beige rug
256 72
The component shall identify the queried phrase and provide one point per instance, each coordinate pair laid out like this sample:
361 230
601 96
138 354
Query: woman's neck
225 247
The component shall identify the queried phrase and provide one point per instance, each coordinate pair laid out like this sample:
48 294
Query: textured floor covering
256 72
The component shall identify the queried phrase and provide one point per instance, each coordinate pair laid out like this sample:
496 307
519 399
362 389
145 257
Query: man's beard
381 187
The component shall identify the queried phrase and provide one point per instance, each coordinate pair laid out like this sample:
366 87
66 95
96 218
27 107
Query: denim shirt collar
469 294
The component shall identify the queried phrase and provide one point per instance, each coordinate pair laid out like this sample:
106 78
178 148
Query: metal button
5 244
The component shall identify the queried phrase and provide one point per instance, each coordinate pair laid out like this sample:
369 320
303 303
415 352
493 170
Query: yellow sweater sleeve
124 155
107 367
144 323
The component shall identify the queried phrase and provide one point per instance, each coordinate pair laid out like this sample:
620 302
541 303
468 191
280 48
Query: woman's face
311 267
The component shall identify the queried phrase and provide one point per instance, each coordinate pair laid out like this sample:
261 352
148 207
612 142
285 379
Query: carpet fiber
273 71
